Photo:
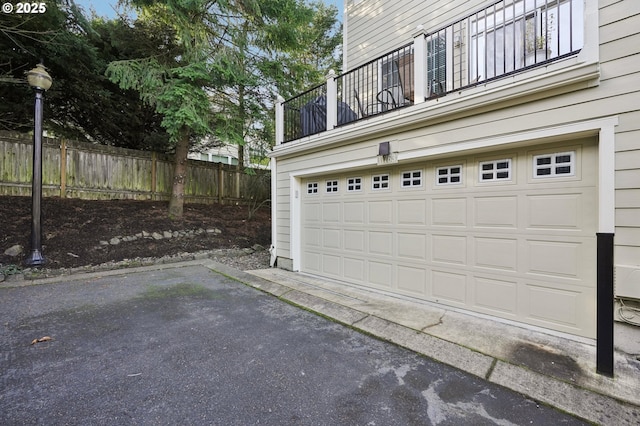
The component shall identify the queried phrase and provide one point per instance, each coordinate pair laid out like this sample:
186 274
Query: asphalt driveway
187 345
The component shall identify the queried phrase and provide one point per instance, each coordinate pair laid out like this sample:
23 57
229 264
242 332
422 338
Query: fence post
63 168
220 184
279 120
332 100
420 64
154 175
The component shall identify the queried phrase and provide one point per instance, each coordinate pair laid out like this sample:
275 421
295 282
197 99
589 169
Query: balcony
506 38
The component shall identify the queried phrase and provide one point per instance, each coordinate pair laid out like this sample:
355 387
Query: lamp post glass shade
39 78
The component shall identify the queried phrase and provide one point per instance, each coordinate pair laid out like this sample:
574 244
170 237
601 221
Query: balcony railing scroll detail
508 37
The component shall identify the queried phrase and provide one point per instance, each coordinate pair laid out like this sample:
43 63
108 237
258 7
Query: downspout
274 196
274 179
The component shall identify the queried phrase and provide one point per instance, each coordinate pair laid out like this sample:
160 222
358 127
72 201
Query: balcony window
437 64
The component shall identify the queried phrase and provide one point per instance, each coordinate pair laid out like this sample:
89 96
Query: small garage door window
312 188
554 165
332 186
412 179
491 171
451 175
379 182
354 184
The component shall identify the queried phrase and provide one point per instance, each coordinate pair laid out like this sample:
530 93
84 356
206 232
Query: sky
106 8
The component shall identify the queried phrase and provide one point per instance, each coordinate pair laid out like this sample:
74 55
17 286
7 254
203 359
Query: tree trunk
176 204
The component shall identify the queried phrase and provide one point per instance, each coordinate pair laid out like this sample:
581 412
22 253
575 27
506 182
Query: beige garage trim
513 237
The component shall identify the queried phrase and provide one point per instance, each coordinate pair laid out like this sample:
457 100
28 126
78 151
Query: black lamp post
40 80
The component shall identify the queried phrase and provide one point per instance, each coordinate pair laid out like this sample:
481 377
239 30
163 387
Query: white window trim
553 164
449 175
332 186
388 182
359 183
494 171
403 180
312 188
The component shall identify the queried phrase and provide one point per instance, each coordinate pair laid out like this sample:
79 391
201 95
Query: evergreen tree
223 81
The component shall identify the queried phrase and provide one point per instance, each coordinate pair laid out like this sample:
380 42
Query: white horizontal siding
378 26
620 36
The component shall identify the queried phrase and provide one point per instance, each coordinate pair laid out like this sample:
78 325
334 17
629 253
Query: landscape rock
15 250
156 236
167 234
114 241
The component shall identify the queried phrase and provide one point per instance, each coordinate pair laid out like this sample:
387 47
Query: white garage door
511 234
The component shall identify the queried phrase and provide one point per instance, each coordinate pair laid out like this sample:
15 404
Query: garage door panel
313 237
449 287
412 246
412 212
561 259
331 265
331 212
354 212
496 253
449 249
380 212
381 242
495 296
354 240
449 212
311 213
332 238
354 269
412 280
496 212
563 308
311 261
557 211
380 273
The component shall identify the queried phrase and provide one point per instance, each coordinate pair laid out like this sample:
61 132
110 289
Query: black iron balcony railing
381 85
306 114
508 37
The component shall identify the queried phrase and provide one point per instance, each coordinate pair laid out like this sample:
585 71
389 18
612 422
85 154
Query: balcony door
396 85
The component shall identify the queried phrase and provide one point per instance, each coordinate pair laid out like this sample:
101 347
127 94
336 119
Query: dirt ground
80 232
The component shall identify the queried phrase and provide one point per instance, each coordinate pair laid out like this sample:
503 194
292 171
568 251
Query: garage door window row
552 165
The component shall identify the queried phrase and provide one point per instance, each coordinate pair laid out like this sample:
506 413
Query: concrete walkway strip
323 307
433 347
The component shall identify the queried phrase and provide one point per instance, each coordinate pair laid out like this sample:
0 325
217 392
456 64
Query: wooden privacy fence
72 169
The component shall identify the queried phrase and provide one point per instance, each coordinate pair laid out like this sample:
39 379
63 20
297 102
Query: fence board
105 172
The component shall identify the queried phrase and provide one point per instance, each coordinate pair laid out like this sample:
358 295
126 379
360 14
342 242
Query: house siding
399 19
620 65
